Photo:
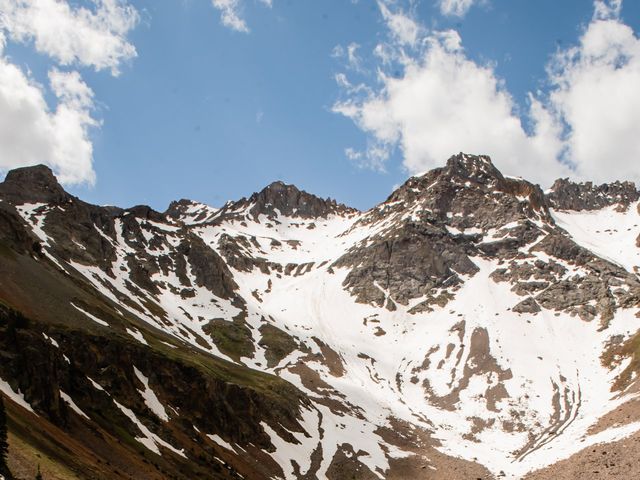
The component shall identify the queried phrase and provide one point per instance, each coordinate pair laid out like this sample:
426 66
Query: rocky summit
471 326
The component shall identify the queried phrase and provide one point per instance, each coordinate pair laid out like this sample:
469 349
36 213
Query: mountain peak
190 211
290 201
33 184
474 167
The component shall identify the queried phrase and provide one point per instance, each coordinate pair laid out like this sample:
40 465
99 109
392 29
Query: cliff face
470 326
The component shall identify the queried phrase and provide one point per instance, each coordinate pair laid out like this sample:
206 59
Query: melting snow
137 335
17 397
606 232
92 317
220 441
150 398
150 439
73 405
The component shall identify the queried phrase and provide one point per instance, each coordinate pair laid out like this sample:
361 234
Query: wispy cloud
403 27
457 8
231 13
350 55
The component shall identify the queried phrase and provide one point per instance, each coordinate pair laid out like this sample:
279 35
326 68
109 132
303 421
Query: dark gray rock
32 185
426 247
289 201
528 305
568 195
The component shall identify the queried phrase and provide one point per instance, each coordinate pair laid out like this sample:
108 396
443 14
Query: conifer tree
4 445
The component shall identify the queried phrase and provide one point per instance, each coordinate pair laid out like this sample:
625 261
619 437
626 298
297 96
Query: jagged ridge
479 276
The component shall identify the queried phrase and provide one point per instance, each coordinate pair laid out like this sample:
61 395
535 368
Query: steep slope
461 329
603 218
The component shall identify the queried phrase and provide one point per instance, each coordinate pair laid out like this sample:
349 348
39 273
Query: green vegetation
278 344
232 338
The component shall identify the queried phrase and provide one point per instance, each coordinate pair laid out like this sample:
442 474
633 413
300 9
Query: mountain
470 326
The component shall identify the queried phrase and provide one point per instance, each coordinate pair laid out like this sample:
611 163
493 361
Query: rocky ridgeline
568 195
286 200
418 250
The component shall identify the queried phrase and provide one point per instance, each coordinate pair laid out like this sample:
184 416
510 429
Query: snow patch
92 317
17 397
69 401
150 398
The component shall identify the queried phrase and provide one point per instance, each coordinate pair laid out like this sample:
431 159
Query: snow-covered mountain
470 326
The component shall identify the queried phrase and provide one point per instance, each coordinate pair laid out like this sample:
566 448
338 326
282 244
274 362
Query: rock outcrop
568 195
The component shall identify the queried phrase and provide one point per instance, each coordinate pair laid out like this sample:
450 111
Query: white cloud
230 14
350 54
31 133
58 133
457 8
445 103
606 9
373 158
403 27
73 35
596 95
353 154
585 124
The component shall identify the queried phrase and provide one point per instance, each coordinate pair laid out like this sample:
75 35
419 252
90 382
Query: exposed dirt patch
426 463
626 413
619 460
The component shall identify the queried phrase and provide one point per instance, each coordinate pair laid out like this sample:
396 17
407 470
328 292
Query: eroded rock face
416 260
434 224
568 195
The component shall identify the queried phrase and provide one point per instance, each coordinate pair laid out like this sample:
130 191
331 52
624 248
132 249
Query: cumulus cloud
583 125
73 35
58 132
596 96
445 103
457 8
31 133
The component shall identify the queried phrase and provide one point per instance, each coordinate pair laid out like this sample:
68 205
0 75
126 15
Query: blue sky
214 111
